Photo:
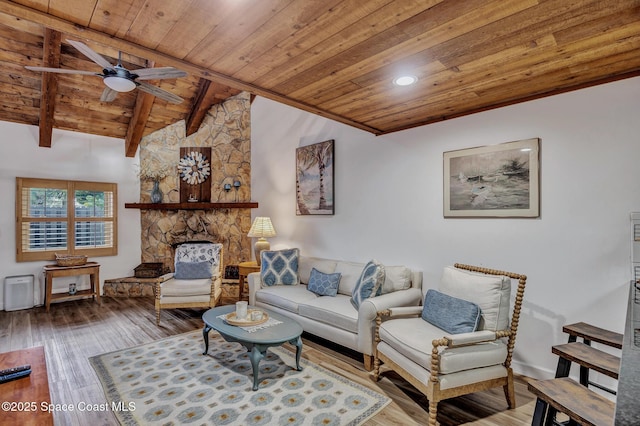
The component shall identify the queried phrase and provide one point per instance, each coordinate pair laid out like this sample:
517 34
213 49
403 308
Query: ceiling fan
119 79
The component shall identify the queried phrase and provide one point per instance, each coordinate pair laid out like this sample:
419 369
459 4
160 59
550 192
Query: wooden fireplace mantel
191 206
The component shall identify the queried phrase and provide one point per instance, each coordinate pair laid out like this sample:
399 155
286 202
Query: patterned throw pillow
324 284
368 284
449 313
198 252
280 267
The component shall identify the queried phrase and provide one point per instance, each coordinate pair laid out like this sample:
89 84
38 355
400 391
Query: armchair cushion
412 338
192 287
193 270
491 293
324 284
280 267
370 280
449 313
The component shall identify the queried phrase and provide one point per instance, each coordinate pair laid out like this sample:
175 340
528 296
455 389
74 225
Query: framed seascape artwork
493 181
314 179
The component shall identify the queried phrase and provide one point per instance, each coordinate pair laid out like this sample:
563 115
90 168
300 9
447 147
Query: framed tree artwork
493 181
314 179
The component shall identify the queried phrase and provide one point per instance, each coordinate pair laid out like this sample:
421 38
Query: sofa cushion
491 293
193 270
306 264
324 284
412 337
449 313
396 278
279 267
287 297
370 280
350 272
335 311
177 287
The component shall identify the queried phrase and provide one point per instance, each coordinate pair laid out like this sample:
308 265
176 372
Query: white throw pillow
396 278
350 272
306 264
490 292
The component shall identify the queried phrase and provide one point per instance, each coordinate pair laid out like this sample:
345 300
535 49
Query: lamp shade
262 228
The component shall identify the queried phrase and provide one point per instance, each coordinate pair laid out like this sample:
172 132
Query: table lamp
261 229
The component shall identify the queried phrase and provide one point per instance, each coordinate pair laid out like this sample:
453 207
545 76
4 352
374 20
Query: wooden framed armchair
197 280
443 364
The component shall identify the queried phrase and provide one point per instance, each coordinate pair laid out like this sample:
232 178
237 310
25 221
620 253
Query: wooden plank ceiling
336 58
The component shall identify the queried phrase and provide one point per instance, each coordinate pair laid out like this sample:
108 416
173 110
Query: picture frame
315 179
500 180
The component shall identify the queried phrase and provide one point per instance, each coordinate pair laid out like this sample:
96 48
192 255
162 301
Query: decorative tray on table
232 320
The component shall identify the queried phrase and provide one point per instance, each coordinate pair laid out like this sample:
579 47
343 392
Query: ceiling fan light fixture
119 84
405 80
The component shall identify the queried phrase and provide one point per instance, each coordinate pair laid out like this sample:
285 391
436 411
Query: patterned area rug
170 382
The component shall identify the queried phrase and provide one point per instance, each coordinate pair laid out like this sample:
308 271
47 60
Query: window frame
71 186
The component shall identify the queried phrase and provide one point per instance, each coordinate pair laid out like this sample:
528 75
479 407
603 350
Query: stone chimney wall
227 130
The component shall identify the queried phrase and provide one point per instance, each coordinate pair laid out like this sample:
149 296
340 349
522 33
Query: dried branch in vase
155 171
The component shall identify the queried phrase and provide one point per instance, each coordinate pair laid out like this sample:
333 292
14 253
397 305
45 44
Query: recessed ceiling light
405 80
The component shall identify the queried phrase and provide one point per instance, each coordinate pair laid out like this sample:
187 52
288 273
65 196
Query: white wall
73 156
389 203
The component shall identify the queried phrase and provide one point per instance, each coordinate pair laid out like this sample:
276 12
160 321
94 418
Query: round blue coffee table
257 342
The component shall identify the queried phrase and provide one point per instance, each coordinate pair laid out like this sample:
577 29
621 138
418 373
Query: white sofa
335 318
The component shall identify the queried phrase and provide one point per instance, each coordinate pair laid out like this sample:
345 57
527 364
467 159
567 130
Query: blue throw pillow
368 284
324 284
279 267
449 313
193 270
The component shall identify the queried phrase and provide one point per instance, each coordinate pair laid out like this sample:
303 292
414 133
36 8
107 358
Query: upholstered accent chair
197 280
474 355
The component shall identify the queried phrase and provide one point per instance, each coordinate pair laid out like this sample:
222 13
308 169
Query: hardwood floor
74 331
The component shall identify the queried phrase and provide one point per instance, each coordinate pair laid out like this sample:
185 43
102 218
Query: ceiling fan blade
108 95
61 70
91 54
160 93
158 73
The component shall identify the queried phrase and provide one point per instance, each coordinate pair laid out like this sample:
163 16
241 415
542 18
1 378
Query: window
65 217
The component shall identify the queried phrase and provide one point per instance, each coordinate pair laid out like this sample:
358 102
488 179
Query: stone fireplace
226 130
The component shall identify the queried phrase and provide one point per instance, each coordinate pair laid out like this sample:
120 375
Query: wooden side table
244 269
52 271
31 391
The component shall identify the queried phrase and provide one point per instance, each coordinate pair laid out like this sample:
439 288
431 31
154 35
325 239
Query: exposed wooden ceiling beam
77 30
51 58
205 97
141 112
138 122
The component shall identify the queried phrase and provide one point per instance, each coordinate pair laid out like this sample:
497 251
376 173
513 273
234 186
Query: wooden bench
590 333
588 357
581 404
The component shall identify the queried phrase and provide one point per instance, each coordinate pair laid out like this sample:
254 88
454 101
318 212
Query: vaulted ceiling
335 58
